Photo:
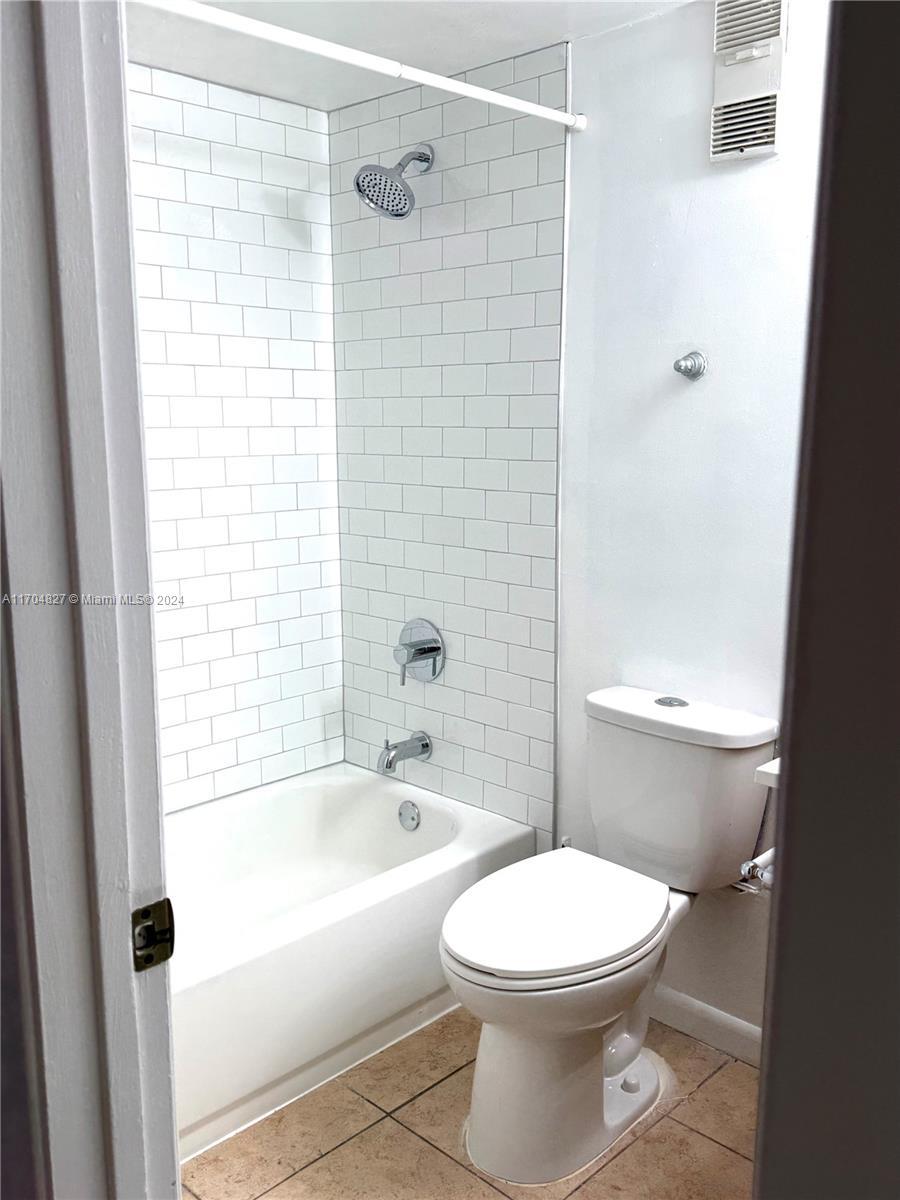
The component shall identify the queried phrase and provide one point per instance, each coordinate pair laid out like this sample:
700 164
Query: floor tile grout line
467 1166
380 1107
729 1062
456 1161
319 1157
710 1138
682 1101
703 1082
622 1150
380 1121
415 1096
432 1086
661 1116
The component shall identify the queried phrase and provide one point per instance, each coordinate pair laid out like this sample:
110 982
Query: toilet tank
670 783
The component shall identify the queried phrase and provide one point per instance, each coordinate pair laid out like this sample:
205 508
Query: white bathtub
307 923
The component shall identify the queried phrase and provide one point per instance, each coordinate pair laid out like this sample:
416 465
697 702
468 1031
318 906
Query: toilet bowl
558 956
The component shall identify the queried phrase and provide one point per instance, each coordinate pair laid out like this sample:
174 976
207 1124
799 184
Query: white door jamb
83 674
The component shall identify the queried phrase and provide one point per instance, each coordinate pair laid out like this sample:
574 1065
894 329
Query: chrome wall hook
692 365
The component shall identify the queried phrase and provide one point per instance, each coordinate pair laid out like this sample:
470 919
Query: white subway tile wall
235 300
447 330
265 289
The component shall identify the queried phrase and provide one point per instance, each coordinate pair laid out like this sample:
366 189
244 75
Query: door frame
830 1091
87 817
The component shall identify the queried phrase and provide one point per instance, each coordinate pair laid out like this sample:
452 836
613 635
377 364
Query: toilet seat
558 919
551 982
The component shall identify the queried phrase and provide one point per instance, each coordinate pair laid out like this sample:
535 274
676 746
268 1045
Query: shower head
385 189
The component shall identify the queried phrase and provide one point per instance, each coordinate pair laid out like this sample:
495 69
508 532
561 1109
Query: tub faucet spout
417 746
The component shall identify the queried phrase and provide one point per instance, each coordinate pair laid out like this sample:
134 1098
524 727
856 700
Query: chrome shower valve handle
420 651
408 653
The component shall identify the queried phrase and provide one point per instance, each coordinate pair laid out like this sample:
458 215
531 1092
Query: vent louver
744 127
743 22
749 49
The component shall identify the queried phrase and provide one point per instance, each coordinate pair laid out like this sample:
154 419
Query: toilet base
543 1109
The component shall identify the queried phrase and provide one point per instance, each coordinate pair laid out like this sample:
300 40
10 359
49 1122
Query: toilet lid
555 914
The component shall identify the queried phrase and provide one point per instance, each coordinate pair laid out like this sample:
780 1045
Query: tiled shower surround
447 332
232 245
445 353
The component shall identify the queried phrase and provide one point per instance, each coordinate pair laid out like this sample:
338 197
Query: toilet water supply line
759 871
281 36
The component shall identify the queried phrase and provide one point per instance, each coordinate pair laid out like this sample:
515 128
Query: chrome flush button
671 702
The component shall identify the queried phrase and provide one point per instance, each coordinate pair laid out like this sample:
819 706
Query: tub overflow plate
409 816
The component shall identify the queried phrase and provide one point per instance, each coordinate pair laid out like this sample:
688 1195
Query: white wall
447 344
677 497
233 251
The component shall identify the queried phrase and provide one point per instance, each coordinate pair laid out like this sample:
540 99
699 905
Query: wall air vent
741 23
749 49
745 127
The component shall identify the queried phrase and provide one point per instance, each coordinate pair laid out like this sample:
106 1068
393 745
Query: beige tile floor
391 1129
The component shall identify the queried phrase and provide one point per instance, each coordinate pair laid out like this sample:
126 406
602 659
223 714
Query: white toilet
558 955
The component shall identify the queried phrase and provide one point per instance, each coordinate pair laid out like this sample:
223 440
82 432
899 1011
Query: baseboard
711 1025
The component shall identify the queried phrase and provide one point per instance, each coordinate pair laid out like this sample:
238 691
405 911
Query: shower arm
416 155
279 35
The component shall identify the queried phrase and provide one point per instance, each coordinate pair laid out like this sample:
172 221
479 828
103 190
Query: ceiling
446 36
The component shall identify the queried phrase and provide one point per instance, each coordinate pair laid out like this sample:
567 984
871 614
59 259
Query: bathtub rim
473 829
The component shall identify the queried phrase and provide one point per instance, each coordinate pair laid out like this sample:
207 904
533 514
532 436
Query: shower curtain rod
222 19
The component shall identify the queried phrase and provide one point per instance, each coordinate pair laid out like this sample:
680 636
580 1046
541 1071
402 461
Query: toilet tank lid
694 721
